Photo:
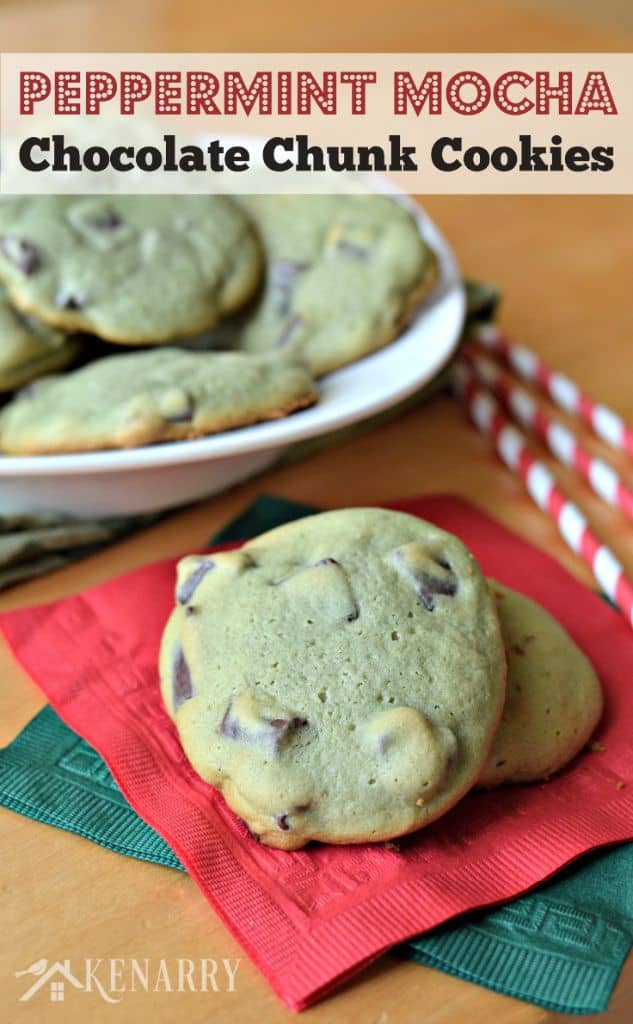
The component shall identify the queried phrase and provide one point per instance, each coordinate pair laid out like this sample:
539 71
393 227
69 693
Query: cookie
29 348
338 678
343 275
130 269
139 398
553 700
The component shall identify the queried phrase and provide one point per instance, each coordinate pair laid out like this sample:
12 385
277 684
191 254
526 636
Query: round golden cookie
153 395
28 348
339 678
343 277
553 696
136 270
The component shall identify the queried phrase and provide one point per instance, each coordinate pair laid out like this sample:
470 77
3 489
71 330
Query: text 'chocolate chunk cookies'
346 675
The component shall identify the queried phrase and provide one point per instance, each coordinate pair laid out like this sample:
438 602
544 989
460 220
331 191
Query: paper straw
561 389
512 447
562 443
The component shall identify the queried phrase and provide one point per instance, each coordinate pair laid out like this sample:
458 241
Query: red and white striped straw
562 443
564 392
512 447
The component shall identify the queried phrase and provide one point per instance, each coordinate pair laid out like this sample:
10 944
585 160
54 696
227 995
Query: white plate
166 475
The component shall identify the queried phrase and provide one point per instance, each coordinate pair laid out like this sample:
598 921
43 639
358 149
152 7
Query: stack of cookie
350 676
292 287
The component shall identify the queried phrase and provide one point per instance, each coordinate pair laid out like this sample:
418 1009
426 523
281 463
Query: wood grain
565 267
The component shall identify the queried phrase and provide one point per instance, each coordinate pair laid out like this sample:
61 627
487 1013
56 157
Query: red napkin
309 919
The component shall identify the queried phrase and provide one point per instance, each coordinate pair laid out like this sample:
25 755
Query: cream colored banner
425 123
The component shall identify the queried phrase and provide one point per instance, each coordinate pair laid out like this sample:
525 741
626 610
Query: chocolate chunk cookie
343 274
553 699
339 678
162 394
29 348
131 269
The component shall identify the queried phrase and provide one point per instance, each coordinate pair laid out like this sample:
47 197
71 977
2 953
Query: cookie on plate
553 698
130 269
139 398
343 275
338 678
29 348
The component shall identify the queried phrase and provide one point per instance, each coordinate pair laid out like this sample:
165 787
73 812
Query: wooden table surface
565 266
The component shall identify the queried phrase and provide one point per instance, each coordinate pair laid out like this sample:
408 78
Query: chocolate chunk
21 253
176 405
231 728
282 726
106 221
416 563
350 240
339 588
429 585
69 300
281 820
247 728
282 276
185 416
349 248
182 686
291 329
187 588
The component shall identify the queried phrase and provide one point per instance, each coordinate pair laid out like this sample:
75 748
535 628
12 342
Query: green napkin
561 947
31 545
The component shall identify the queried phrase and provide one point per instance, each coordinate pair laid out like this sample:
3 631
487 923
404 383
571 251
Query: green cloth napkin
31 545
561 947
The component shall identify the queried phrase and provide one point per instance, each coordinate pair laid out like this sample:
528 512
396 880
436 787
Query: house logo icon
54 975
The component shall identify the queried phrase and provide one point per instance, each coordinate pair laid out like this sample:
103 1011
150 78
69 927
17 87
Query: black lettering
309 158
602 158
476 158
503 158
371 158
96 158
401 156
149 158
437 153
577 158
191 159
215 150
26 153
116 158
556 153
341 158
62 153
269 155
169 163
531 156
237 158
